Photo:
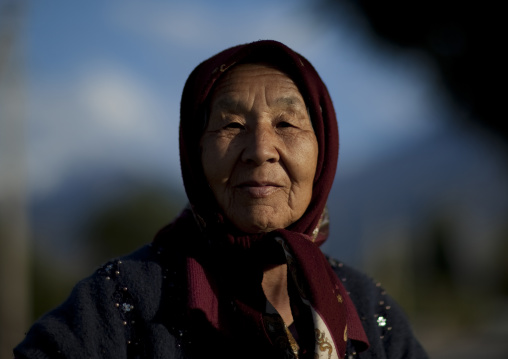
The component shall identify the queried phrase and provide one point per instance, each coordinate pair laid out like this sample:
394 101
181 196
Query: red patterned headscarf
210 281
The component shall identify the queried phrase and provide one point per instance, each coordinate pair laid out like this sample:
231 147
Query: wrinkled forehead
244 79
234 85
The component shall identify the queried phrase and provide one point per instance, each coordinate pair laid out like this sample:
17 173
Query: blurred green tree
122 226
115 228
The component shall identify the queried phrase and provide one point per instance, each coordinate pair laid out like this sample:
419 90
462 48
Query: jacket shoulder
101 315
385 323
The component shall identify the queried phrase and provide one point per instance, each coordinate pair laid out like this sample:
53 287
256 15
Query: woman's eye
284 124
234 125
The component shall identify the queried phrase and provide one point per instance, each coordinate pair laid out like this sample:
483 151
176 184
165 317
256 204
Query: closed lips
258 189
258 184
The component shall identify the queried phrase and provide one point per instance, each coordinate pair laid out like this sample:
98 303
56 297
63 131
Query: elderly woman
239 274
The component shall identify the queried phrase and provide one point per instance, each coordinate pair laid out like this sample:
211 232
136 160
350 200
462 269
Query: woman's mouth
258 189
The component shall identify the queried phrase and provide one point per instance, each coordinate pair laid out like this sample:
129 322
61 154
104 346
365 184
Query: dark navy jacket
133 308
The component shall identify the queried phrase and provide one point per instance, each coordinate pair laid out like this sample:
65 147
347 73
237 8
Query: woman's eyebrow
290 101
227 103
232 104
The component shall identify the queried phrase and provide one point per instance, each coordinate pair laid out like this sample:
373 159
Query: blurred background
89 168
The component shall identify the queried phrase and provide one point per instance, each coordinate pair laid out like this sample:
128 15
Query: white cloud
118 102
101 114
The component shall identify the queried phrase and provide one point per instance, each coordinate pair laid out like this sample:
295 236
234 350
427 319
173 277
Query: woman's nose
261 145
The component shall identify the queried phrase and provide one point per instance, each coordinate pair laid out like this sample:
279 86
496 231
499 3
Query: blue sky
103 80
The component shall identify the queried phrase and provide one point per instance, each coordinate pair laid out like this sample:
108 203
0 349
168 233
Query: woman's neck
275 287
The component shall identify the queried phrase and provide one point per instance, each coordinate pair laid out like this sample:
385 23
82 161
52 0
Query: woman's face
259 150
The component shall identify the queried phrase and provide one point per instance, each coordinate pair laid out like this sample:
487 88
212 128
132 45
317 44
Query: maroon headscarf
194 106
229 270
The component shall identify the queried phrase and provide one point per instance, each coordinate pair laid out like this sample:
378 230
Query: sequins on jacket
132 308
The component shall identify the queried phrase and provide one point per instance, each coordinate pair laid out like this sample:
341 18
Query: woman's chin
259 224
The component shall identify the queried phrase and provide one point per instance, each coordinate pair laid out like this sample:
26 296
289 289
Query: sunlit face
259 150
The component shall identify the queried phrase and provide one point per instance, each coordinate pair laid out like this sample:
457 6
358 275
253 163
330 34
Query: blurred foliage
115 228
501 260
462 38
438 293
50 283
418 267
130 222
